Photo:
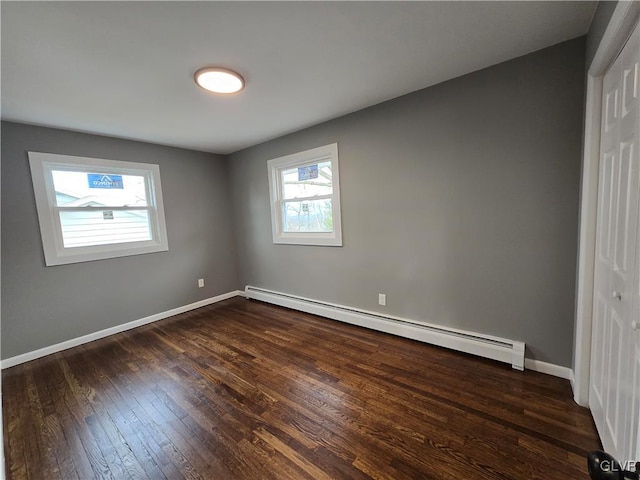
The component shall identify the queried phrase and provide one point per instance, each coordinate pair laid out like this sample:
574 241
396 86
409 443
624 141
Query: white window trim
315 155
55 253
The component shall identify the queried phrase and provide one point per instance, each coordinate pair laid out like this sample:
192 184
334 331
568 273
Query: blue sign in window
307 173
99 180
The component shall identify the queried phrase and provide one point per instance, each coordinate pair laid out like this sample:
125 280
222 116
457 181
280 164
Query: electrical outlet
382 299
201 282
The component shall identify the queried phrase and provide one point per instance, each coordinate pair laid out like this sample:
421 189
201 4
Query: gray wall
42 306
460 202
599 24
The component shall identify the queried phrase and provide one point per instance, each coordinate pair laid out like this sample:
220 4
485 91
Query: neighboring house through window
91 209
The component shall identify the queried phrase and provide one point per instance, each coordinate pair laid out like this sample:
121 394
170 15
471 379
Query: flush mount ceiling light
219 80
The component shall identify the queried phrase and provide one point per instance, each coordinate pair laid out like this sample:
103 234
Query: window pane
99 189
102 227
307 181
308 216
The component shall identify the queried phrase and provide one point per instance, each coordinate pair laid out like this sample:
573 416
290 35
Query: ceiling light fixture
219 80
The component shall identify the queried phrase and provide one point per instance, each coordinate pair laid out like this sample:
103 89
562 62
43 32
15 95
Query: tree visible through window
307 193
306 198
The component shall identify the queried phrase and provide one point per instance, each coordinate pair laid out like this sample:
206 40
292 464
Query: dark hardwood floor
245 390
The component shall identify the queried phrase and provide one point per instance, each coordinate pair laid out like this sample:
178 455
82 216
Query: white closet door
631 105
613 393
634 424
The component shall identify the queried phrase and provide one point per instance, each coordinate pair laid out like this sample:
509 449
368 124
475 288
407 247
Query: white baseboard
74 342
375 321
548 368
500 349
577 396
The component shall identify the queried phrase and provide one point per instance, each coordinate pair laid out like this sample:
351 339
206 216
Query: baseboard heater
500 349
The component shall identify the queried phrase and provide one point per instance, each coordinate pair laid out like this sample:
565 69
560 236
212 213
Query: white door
634 424
613 395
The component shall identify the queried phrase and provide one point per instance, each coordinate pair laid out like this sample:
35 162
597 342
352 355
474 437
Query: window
305 197
91 209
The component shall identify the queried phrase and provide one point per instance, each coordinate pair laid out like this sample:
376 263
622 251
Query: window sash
126 195
150 225
98 208
49 168
287 227
288 168
307 199
281 203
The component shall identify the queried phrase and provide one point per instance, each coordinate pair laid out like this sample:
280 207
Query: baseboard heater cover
500 349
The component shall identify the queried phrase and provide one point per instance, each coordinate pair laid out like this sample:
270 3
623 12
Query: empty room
320 240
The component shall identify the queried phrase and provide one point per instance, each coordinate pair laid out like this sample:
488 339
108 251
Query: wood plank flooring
246 390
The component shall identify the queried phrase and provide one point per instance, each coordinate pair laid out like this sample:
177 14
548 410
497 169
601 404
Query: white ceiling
125 69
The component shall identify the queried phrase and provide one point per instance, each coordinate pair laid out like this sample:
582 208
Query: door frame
620 27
